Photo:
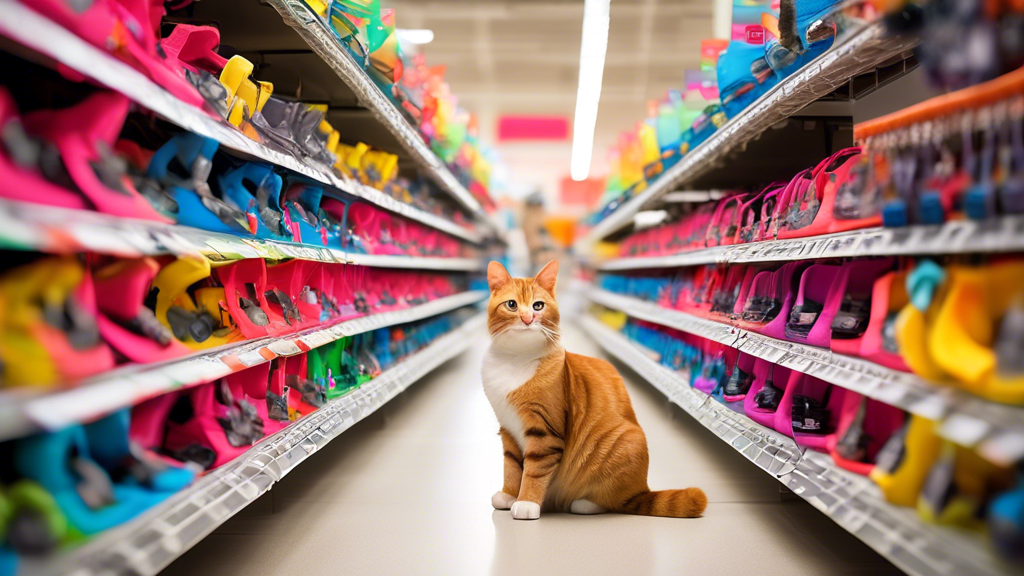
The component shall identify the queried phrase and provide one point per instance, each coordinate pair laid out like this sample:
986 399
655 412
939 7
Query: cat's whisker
553 335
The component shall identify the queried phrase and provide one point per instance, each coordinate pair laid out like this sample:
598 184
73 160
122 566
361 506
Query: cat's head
522 315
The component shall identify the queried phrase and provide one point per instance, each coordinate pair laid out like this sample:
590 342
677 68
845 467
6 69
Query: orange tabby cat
571 440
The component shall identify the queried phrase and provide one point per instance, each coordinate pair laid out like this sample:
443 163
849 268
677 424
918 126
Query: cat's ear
547 276
497 276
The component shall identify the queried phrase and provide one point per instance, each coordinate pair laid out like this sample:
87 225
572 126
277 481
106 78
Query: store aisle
407 491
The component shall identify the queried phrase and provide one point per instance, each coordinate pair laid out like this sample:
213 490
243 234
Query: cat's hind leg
584 506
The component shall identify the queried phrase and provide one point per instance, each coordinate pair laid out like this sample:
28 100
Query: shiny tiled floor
407 491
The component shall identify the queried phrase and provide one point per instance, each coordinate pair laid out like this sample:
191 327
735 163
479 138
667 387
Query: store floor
408 491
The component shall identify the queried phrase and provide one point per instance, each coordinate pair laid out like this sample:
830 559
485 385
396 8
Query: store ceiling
522 57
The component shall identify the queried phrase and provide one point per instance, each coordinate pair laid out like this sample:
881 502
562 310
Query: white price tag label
964 430
932 407
1006 448
892 394
285 348
251 358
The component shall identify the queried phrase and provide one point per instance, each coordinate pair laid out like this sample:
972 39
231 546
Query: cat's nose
527 319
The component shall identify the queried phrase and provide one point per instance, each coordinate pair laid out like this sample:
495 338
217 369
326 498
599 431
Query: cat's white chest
501 375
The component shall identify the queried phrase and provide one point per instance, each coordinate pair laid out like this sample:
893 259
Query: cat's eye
511 304
538 306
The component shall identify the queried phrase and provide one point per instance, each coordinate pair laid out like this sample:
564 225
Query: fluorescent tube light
593 48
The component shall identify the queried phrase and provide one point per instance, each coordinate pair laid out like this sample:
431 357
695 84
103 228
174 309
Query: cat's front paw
525 510
502 500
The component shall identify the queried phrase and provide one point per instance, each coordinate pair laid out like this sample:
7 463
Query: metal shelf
996 431
149 543
864 49
1002 234
24 411
314 32
52 229
42 35
852 501
417 263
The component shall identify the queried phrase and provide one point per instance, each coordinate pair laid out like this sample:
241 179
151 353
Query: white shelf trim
995 430
416 262
24 411
865 48
1002 234
44 36
147 544
852 501
60 230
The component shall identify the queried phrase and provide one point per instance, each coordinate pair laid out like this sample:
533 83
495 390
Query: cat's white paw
525 510
583 506
502 501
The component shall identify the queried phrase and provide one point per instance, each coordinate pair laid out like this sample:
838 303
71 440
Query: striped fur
568 431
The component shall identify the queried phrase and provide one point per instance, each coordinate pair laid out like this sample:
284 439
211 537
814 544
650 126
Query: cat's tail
685 503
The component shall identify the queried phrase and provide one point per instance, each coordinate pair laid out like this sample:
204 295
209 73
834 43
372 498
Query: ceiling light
593 48
415 35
